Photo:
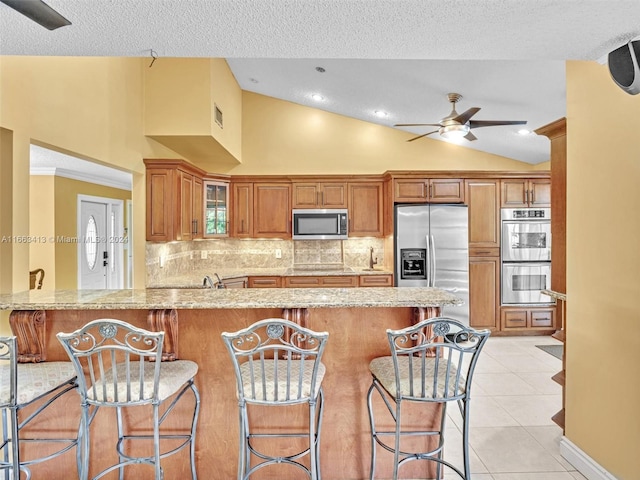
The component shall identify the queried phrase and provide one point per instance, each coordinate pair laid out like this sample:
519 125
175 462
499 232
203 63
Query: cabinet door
265 282
375 281
198 215
446 190
540 193
483 199
242 210
414 190
302 282
515 193
305 195
216 209
484 291
333 195
185 207
339 281
160 191
366 209
272 210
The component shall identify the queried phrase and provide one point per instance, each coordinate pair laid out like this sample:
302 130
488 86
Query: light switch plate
203 254
278 253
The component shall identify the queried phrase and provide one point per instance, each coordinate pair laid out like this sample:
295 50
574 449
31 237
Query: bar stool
278 363
124 369
431 362
26 385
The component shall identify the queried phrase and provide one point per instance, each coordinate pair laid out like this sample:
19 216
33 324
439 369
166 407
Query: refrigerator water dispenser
414 263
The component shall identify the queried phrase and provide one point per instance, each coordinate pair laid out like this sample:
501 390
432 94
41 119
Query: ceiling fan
39 12
458 125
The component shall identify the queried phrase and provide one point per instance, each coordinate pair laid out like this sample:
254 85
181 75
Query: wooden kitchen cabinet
319 195
261 210
330 281
484 292
523 193
385 280
236 282
265 282
528 319
173 200
216 209
241 210
483 200
423 190
366 209
272 210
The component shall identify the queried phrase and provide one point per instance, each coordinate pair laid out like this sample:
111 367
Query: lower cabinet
236 282
375 281
484 292
529 319
265 282
337 281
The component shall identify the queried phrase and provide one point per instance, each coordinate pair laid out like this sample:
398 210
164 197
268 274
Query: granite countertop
227 298
195 280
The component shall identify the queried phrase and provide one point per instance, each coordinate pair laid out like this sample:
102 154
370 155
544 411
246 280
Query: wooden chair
34 282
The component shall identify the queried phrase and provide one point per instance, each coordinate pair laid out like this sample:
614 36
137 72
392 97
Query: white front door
100 243
92 246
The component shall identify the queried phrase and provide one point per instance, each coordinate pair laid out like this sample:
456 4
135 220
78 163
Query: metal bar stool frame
124 369
431 362
11 461
278 362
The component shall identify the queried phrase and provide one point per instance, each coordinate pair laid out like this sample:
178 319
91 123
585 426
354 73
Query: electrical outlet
161 261
278 253
203 254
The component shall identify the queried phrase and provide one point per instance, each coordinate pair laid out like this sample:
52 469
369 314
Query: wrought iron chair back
277 361
36 385
121 362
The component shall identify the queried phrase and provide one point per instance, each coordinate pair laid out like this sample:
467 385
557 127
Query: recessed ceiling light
524 131
380 114
317 97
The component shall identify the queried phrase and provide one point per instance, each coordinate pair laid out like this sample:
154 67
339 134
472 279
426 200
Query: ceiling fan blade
39 12
465 116
470 136
420 136
494 123
412 124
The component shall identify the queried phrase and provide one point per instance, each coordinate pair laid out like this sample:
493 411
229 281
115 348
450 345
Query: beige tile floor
512 436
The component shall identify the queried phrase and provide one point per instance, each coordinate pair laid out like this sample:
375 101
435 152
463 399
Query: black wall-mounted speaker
623 66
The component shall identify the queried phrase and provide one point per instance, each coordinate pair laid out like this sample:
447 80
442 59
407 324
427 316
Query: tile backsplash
203 257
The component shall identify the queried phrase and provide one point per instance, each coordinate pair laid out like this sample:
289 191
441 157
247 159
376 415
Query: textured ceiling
401 56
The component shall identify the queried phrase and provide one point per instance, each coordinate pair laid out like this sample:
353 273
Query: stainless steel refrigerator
432 250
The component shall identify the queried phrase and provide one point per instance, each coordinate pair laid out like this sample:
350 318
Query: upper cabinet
261 210
431 190
319 195
483 199
216 209
174 201
366 209
523 193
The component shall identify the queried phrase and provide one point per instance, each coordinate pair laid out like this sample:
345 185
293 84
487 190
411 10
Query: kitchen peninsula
356 319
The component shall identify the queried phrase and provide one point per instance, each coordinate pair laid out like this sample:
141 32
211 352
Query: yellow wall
603 269
89 107
281 137
42 226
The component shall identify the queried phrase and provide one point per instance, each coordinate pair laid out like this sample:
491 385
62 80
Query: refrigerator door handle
433 259
427 261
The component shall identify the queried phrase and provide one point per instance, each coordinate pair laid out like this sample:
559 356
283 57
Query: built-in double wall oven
526 255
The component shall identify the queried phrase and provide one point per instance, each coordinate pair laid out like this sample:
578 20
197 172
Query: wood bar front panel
356 336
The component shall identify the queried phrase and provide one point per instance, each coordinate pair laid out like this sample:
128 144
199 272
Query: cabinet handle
429 190
242 226
526 196
318 198
194 227
533 197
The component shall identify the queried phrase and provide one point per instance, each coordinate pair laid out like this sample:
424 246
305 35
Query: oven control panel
526 214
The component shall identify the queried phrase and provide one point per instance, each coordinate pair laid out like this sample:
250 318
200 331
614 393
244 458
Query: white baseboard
586 465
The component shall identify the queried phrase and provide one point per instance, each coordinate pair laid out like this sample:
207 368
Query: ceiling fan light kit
456 126
39 12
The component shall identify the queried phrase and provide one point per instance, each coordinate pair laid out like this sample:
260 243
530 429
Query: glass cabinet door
216 208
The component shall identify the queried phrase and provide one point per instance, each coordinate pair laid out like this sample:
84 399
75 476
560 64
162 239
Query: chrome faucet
207 282
372 262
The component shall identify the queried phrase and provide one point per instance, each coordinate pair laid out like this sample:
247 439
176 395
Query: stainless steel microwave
320 224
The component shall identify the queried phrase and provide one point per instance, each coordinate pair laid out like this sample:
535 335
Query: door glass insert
91 243
216 209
